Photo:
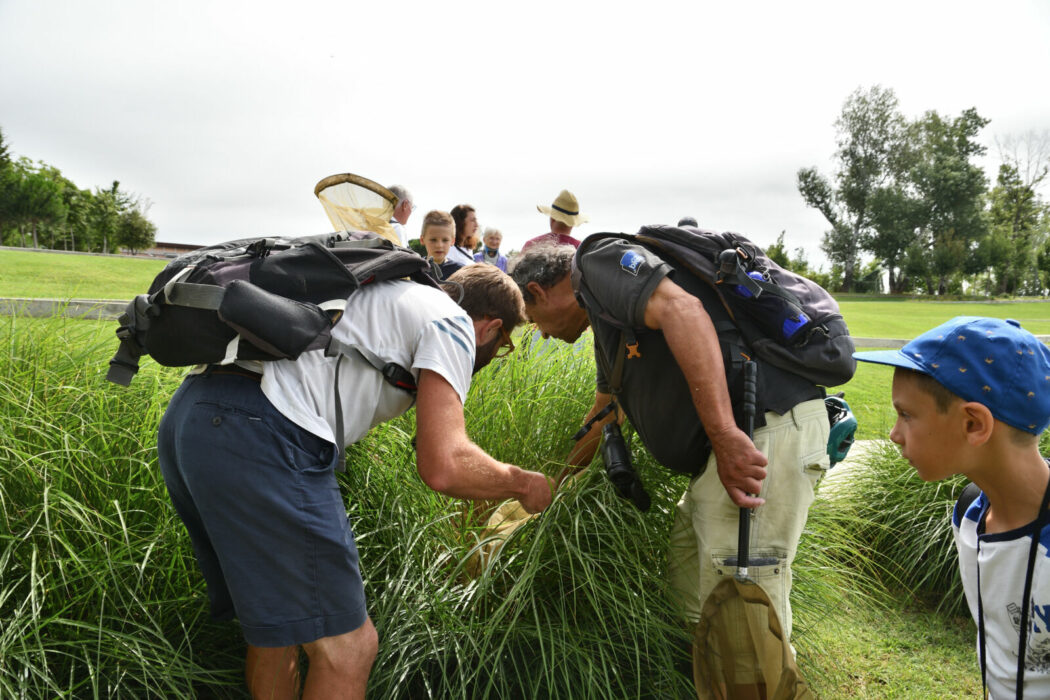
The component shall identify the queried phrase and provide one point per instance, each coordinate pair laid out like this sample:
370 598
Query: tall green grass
100 596
905 526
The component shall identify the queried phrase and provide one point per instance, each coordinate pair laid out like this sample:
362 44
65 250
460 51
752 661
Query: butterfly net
355 203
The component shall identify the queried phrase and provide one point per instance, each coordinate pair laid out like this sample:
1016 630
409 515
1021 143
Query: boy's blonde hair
436 217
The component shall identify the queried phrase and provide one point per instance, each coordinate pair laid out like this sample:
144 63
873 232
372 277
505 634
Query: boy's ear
979 422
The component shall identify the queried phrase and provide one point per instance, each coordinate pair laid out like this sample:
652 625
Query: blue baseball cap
987 360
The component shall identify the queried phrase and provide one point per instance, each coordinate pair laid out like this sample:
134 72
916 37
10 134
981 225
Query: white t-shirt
458 254
414 326
400 231
1004 563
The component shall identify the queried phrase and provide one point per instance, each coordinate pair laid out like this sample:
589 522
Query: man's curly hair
545 265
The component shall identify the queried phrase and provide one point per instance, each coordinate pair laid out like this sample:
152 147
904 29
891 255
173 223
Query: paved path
102 309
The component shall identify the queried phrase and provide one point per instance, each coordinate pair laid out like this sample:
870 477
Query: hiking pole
744 531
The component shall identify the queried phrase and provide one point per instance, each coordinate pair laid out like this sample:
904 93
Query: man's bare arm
450 463
691 336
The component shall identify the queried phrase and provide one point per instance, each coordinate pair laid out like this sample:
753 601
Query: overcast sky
225 114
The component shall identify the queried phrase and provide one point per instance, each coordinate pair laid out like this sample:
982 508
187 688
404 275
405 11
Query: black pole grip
744 530
750 402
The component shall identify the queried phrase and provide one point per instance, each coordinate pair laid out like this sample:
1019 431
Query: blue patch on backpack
631 261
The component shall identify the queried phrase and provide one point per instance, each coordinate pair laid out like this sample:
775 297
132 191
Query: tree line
907 202
41 208
909 194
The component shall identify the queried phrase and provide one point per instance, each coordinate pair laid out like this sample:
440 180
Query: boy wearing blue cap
972 397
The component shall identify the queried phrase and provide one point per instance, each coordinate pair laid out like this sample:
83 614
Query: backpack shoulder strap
589 301
967 496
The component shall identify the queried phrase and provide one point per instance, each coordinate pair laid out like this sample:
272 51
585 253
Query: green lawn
868 395
25 273
880 317
900 653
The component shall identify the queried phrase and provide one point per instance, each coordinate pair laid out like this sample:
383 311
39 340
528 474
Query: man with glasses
403 210
248 453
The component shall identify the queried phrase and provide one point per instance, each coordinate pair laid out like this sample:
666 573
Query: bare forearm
469 472
583 451
449 462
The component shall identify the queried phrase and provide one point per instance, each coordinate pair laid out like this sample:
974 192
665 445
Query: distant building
169 250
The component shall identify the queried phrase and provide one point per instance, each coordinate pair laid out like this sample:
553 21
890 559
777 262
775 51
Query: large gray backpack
787 320
259 299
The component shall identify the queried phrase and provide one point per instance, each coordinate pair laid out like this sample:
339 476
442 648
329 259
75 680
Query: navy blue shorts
260 500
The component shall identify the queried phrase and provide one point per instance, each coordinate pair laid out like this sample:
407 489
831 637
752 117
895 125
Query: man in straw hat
564 213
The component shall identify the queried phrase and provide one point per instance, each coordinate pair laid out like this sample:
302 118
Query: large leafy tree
871 134
1018 215
106 211
895 216
75 233
950 186
5 155
134 231
51 230
7 184
35 199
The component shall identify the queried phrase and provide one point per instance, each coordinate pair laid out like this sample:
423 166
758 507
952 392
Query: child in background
439 231
490 252
972 397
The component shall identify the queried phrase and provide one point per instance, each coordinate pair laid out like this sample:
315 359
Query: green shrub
904 524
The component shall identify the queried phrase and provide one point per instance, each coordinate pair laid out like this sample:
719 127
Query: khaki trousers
704 533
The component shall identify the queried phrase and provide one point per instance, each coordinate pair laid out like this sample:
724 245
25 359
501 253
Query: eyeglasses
508 345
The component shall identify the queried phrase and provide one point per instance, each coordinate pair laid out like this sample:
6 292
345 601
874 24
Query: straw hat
565 209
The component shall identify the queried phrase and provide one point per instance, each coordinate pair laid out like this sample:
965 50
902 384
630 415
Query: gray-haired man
403 210
680 398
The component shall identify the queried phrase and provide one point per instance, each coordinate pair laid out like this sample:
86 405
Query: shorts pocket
306 453
762 564
816 463
230 410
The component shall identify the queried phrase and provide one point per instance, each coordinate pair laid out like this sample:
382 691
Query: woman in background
466 220
489 253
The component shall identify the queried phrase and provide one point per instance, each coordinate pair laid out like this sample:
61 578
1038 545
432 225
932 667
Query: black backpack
259 299
785 319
